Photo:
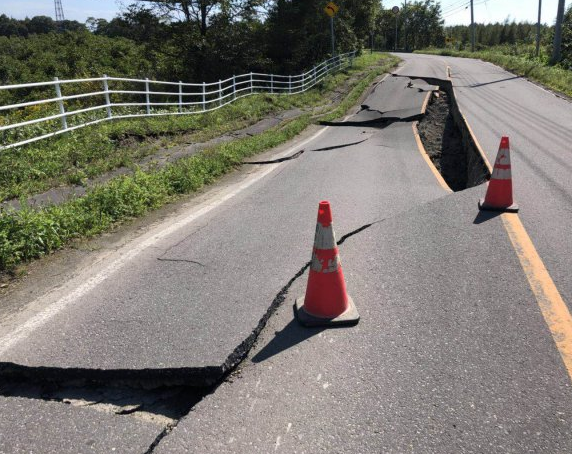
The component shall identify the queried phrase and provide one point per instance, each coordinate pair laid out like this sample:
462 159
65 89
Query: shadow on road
494 82
292 334
484 216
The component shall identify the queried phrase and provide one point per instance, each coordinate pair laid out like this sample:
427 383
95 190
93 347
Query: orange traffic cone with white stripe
499 191
326 301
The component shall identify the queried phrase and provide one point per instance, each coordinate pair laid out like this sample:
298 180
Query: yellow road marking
553 308
426 102
423 152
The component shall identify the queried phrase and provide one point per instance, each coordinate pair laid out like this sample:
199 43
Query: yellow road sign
331 9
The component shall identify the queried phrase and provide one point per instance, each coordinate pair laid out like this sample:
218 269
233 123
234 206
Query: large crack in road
166 395
146 396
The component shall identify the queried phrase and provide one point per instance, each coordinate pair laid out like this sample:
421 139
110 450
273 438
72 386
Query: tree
201 12
424 24
567 39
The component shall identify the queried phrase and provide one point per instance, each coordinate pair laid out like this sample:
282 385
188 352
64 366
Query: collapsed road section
448 139
191 306
183 303
444 132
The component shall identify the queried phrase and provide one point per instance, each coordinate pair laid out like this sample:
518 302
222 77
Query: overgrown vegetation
512 46
30 233
203 40
515 39
554 77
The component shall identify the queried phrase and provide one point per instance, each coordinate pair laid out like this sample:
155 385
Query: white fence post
180 96
61 103
204 96
147 98
107 97
276 86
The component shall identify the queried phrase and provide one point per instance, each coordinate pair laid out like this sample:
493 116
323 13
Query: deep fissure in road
165 396
443 141
448 140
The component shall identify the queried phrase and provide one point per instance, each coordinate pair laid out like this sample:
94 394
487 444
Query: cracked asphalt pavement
451 354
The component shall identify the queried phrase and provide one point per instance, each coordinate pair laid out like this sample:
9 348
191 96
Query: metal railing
116 97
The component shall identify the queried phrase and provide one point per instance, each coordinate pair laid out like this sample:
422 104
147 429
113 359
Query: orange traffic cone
499 191
326 301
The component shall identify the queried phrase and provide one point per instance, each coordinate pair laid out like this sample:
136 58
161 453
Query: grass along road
553 77
29 233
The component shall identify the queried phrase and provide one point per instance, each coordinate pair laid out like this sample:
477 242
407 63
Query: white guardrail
75 110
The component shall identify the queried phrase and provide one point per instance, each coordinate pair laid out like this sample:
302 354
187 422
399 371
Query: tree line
203 40
195 40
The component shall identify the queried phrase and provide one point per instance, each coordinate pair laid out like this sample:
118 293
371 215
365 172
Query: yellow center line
553 308
426 102
423 152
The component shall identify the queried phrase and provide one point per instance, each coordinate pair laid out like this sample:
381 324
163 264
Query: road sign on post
331 9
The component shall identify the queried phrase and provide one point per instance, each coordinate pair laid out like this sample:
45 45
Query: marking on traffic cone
326 301
499 191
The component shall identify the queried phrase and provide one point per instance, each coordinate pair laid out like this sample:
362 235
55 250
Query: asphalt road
452 353
189 299
539 125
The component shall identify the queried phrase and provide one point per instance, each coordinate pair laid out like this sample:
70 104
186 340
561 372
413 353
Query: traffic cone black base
510 209
348 318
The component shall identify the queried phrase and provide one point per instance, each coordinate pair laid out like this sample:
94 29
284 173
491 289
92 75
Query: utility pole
405 23
395 10
538 28
558 34
333 39
371 40
472 28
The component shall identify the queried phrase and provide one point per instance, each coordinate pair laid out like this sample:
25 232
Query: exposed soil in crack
448 140
162 406
159 399
443 141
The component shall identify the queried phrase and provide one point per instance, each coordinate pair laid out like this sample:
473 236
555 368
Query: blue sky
485 11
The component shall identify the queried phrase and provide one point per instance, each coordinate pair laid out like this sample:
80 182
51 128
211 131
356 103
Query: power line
457 8
452 6
457 11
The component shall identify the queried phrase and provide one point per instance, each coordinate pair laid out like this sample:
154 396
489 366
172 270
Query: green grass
522 64
29 233
86 153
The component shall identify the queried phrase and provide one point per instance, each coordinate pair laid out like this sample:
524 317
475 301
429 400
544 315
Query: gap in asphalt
152 400
447 138
166 394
